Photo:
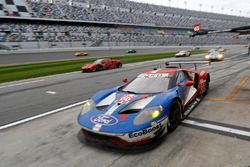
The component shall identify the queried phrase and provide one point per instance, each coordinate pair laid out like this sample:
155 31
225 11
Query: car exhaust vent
132 111
101 107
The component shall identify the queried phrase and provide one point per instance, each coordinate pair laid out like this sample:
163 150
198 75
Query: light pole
212 7
185 2
200 6
169 3
222 9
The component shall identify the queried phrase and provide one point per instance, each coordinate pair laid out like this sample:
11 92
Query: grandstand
107 22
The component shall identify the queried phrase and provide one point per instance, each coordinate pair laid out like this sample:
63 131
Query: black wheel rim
175 117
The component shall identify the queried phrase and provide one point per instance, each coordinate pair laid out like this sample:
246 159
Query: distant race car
183 53
220 49
196 48
81 54
214 55
131 51
102 64
145 109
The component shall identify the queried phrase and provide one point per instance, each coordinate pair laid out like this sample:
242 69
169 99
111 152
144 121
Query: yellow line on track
237 89
215 99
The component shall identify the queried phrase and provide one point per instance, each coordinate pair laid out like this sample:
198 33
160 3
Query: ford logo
104 120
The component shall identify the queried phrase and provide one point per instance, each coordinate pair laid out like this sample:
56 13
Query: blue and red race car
146 108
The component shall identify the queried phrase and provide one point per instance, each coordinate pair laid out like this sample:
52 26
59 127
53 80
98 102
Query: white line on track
219 128
22 83
51 92
41 115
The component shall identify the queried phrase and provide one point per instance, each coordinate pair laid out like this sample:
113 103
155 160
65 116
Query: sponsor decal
145 131
125 99
197 27
104 120
153 123
157 75
191 107
202 73
97 127
202 84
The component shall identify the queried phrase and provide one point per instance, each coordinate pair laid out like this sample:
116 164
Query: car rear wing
194 62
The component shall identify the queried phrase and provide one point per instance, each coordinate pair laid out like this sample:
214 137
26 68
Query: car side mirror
125 80
189 83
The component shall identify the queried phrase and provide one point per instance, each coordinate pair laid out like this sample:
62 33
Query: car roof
169 71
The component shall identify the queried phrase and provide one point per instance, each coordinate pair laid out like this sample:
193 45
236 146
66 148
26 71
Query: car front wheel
174 116
119 65
99 68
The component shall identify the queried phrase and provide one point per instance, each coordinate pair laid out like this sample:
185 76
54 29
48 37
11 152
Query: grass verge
19 72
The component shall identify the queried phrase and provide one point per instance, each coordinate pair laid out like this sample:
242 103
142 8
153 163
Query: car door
113 64
191 90
180 83
186 93
105 64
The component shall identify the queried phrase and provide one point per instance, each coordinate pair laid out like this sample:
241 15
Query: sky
232 7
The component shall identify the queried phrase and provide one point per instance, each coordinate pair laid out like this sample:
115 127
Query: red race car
102 64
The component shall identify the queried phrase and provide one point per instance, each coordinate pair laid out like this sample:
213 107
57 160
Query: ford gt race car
146 108
102 64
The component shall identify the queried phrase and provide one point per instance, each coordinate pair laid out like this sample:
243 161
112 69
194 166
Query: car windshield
212 51
99 61
183 51
148 83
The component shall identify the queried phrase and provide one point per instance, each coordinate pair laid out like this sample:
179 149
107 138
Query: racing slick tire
174 117
119 65
99 68
207 85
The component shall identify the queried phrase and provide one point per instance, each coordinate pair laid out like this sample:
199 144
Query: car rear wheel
119 65
207 85
174 117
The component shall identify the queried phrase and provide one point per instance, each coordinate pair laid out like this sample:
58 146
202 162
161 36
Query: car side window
181 77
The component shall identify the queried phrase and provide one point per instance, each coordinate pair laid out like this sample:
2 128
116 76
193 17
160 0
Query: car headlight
220 56
207 57
87 106
148 115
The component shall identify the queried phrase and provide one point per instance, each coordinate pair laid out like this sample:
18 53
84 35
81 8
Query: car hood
86 66
213 55
180 53
115 112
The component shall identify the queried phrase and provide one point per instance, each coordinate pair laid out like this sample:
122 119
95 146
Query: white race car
183 53
214 55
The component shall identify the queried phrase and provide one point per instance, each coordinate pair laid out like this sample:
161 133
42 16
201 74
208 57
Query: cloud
235 7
